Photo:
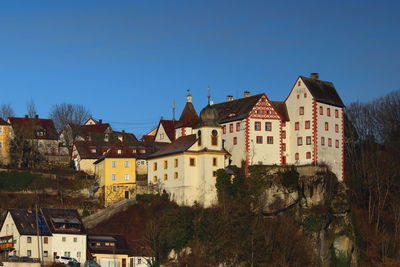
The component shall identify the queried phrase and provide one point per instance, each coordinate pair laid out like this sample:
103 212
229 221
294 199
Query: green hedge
16 181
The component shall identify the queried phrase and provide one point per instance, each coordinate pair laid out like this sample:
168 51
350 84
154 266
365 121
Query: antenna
173 110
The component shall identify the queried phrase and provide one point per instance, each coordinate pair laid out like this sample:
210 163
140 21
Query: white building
186 168
21 225
68 233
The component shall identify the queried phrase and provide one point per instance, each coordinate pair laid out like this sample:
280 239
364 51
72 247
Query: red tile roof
169 127
31 126
181 144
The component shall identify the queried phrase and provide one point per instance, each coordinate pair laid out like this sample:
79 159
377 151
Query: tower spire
189 96
173 110
209 95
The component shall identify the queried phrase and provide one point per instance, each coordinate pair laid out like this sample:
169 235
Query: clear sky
127 61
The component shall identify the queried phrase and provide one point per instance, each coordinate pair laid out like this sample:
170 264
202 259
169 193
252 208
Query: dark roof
236 109
188 117
121 246
91 149
87 130
25 221
323 91
181 144
68 217
281 109
30 126
169 127
3 122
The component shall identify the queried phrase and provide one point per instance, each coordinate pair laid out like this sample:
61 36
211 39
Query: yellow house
5 138
116 173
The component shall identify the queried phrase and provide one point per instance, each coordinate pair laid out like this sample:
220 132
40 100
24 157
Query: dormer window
106 138
142 151
120 138
40 133
119 151
93 150
232 114
133 151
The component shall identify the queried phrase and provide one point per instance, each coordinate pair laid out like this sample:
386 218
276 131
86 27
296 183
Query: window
337 128
257 126
29 253
176 163
165 164
329 142
78 254
155 166
321 110
270 139
126 177
235 140
67 254
224 129
237 126
283 134
307 125
45 253
133 151
214 138
296 156
45 240
119 151
298 96
199 138
214 162
328 112
113 177
93 150
29 239
63 239
192 162
259 139
305 95
296 126
326 126
268 126
308 140
139 261
114 188
155 179
299 141
308 155
113 164
161 136
322 141
126 164
75 239
231 128
298 83
214 173
301 110
336 113
165 177
283 146
337 143
175 175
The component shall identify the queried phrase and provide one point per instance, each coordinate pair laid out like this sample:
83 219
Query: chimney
36 116
100 121
229 98
314 76
246 94
26 116
123 131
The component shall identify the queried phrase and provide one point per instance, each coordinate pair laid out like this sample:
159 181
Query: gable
263 109
161 135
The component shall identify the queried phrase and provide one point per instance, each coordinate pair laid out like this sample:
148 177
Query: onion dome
208 117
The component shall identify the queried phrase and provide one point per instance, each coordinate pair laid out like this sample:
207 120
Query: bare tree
6 111
31 108
65 113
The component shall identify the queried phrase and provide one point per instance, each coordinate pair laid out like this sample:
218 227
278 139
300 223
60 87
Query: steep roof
99 128
281 109
169 127
63 221
25 221
323 91
30 126
96 244
181 144
91 149
236 109
3 122
188 117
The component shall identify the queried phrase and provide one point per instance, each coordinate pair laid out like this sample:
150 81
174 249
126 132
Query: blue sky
127 61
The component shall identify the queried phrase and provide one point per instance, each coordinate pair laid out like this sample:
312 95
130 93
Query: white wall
60 246
237 151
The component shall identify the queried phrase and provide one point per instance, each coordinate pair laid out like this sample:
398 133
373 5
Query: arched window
214 138
199 138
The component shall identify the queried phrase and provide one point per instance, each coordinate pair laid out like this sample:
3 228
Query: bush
16 181
290 179
312 224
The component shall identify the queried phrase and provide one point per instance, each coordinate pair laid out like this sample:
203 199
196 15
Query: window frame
299 141
297 126
270 140
268 126
301 110
192 162
234 141
238 127
259 139
257 126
